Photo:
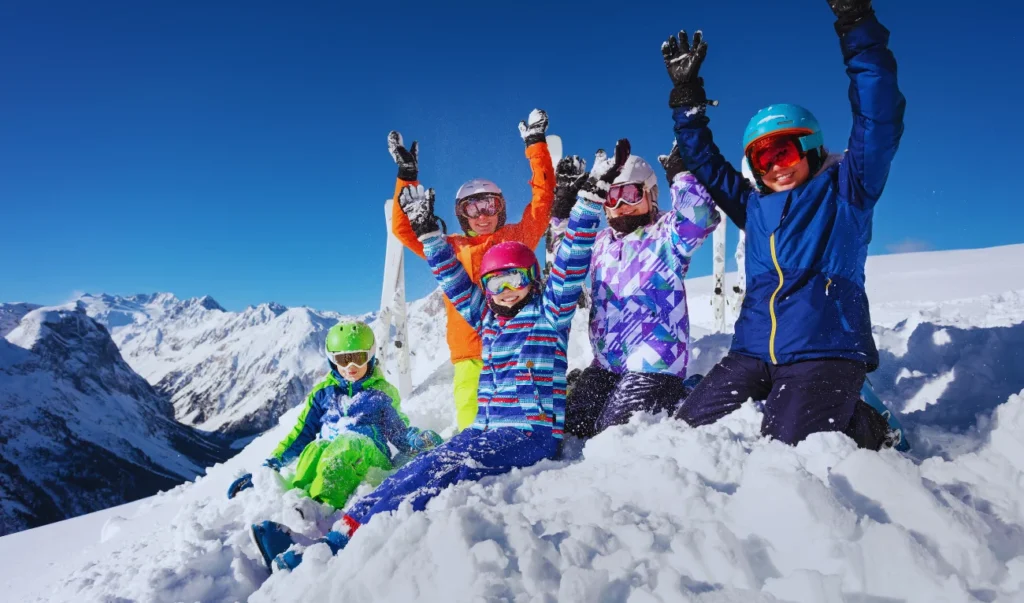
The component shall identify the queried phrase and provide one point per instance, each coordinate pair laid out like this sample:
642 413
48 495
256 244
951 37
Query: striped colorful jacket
522 384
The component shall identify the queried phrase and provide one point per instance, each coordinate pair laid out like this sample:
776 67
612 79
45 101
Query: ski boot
290 560
895 438
272 540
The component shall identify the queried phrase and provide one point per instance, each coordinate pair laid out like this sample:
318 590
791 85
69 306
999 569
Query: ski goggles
474 207
513 278
358 359
782 151
631 194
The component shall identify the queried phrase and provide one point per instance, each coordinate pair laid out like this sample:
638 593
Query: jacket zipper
771 302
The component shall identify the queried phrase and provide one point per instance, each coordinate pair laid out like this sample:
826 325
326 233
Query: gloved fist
532 130
422 440
418 205
849 12
673 163
683 63
570 174
242 483
406 159
605 171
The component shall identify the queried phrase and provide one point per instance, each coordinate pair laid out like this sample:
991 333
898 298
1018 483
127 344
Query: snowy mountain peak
81 431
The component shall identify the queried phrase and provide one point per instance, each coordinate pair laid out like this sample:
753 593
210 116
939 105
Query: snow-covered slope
80 431
237 372
650 511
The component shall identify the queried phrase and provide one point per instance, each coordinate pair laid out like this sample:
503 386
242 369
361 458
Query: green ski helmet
353 336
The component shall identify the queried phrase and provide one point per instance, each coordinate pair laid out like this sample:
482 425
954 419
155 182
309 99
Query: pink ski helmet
510 254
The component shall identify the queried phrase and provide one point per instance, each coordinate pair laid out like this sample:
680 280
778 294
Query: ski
391 328
718 294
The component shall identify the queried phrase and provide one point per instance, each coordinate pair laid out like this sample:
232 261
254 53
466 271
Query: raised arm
572 259
457 285
535 218
694 215
877 103
699 152
408 174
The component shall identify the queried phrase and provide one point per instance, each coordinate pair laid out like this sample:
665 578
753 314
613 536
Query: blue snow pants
472 454
800 398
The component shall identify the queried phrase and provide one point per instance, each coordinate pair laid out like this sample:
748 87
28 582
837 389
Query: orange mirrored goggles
782 150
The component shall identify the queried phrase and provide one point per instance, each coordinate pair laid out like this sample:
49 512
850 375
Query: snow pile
653 511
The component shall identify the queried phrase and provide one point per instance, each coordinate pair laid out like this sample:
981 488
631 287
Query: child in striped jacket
524 328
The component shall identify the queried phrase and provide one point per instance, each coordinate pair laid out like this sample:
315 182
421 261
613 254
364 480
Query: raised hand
673 163
849 12
406 159
418 205
605 171
532 130
570 174
683 63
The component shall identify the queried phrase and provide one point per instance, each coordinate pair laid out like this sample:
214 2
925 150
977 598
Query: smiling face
352 372
783 179
483 225
510 297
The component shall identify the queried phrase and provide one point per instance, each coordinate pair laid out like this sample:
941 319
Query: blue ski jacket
522 384
806 248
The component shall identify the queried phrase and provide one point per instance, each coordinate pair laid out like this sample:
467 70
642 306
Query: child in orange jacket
480 207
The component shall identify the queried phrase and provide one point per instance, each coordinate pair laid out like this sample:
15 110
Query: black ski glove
673 163
532 130
683 63
407 159
849 13
418 205
605 172
570 175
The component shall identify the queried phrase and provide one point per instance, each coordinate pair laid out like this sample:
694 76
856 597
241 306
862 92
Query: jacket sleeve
878 107
695 215
572 262
534 223
391 392
702 157
392 425
305 430
400 225
454 280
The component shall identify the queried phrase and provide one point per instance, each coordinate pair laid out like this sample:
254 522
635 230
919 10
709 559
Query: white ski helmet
478 186
638 170
475 187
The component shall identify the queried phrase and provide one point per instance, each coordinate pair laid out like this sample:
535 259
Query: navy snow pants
601 398
800 398
472 454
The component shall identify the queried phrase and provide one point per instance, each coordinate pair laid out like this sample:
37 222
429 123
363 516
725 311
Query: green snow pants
331 470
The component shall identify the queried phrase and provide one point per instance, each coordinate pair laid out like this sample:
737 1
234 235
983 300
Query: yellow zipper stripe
771 302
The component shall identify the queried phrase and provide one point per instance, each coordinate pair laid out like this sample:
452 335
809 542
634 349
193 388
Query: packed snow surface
649 511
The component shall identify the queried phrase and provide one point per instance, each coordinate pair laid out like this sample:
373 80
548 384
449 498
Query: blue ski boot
272 539
290 560
897 437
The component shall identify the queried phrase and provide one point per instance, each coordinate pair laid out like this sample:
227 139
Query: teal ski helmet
787 119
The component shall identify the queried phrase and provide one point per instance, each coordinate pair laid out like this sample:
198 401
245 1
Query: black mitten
683 63
418 205
406 159
532 130
570 174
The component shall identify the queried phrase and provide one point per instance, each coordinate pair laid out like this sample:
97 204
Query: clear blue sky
238 149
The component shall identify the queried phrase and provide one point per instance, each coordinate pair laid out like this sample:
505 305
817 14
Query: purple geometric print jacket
638 320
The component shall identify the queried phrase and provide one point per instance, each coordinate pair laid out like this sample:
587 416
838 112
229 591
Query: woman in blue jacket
803 338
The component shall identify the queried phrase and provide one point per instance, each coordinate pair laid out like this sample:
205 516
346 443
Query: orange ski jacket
463 340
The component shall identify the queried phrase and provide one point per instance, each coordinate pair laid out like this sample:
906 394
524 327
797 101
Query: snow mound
653 511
